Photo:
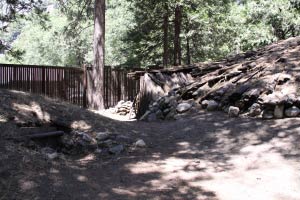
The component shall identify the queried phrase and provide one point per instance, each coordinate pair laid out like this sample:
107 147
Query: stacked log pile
263 83
123 108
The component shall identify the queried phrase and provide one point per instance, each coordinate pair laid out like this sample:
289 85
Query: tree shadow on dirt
200 156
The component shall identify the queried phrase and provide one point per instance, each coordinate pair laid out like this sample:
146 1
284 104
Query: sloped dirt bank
263 83
199 156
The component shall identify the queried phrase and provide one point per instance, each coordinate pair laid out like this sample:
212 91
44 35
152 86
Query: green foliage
44 46
257 23
213 29
119 19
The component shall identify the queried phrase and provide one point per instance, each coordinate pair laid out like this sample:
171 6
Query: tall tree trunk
96 88
166 36
188 49
177 44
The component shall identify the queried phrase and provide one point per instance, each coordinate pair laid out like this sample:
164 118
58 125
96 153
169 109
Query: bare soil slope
200 156
263 83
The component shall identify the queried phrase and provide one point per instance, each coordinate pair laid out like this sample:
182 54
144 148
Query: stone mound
263 83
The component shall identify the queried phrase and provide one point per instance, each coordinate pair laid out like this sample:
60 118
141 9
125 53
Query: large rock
279 111
49 153
170 99
233 111
140 143
273 99
204 103
171 115
290 99
255 110
102 136
166 111
183 107
211 105
106 144
292 112
116 149
86 138
268 114
159 114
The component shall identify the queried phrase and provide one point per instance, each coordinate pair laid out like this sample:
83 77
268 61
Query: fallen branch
44 135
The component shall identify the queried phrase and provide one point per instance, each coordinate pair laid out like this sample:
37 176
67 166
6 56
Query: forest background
143 33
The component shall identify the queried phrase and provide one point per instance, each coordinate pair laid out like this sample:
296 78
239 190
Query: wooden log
45 135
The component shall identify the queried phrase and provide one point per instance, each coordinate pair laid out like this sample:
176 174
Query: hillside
263 83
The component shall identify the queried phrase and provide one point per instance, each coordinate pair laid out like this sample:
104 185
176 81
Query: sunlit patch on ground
108 114
80 125
40 113
81 178
27 185
257 172
34 108
3 119
87 159
124 192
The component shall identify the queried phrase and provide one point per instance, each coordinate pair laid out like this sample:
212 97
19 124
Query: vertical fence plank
69 84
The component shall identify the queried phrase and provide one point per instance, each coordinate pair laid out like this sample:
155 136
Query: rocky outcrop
263 83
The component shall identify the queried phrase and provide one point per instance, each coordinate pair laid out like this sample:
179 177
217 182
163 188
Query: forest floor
199 156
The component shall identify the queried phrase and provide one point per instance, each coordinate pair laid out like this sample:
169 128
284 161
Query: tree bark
166 36
188 49
177 43
96 88
45 135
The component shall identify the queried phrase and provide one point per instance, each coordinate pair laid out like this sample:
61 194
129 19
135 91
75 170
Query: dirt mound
36 131
263 83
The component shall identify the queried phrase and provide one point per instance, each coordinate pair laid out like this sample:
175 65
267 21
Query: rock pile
101 143
263 83
167 107
123 108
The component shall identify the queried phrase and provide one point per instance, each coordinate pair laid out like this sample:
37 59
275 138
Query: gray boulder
166 111
105 144
233 111
102 136
87 138
116 149
49 153
292 112
171 115
140 143
267 114
212 105
183 107
159 114
255 110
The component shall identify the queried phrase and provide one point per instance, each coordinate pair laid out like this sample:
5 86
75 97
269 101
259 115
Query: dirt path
206 156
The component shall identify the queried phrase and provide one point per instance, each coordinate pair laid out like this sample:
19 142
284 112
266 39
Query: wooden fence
67 83
118 86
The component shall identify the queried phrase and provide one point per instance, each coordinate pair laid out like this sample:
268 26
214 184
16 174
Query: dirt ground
200 156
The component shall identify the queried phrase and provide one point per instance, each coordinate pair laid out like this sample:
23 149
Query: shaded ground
201 156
